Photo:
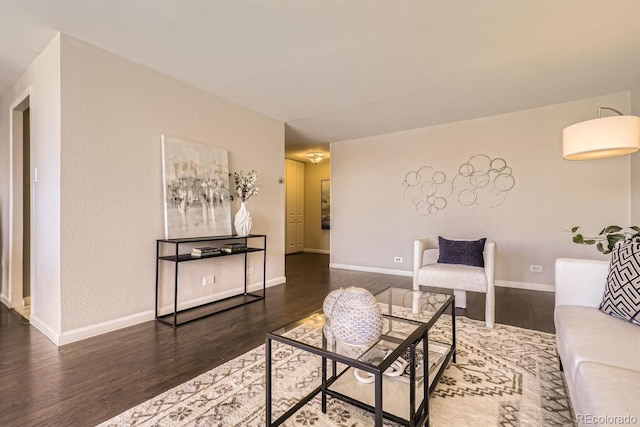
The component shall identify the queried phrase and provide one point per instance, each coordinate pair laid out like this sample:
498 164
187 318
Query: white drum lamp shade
602 137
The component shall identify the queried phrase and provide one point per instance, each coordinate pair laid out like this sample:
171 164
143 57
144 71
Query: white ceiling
342 69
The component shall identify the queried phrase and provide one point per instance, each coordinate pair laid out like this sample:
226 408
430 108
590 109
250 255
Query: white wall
635 163
371 223
41 82
315 238
113 114
97 211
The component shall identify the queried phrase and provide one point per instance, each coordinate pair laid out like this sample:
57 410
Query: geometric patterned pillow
622 294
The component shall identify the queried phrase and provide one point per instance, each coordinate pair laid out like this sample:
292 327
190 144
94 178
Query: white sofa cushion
603 393
580 281
454 276
585 334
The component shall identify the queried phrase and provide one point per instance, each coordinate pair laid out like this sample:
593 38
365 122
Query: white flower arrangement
245 185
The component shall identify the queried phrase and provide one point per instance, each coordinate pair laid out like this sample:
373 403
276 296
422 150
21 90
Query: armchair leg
490 308
461 298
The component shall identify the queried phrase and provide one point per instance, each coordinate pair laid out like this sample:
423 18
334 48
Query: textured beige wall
373 224
635 163
41 82
113 114
315 238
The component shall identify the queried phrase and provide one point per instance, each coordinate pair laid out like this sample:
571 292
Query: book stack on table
205 251
234 247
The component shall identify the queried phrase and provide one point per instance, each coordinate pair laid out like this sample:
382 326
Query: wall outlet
251 270
535 268
208 280
397 259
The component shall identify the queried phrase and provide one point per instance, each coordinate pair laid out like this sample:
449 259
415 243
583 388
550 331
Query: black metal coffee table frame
417 415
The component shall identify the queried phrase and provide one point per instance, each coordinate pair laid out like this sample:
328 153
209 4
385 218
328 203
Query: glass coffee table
408 319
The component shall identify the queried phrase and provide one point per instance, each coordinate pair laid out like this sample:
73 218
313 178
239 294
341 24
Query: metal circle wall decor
480 182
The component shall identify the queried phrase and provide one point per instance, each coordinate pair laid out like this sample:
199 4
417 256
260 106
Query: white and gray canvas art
196 189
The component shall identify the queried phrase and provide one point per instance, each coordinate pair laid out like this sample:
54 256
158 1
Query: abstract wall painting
196 189
325 204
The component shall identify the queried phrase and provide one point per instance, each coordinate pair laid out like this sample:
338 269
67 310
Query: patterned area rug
505 376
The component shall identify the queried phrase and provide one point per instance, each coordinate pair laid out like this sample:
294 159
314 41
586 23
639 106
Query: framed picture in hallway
325 204
196 189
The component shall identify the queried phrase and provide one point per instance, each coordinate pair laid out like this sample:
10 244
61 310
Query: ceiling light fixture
315 158
602 137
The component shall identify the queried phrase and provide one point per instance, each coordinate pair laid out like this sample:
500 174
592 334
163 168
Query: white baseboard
102 328
372 269
545 287
277 281
113 325
503 283
218 296
44 329
317 251
166 309
25 301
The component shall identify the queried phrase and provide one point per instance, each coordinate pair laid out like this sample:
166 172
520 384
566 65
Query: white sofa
600 354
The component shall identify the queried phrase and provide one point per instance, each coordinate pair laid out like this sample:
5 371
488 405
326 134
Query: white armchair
460 278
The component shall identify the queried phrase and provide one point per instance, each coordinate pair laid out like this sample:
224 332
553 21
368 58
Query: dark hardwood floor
87 382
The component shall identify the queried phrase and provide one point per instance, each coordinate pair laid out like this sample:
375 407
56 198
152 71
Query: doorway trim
16 205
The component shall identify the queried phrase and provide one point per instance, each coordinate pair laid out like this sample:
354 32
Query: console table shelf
189 257
179 317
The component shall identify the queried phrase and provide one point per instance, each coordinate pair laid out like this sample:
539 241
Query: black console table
179 317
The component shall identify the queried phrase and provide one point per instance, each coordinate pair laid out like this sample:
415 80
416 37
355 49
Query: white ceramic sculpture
330 300
355 317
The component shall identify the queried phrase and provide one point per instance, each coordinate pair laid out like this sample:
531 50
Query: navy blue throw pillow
465 252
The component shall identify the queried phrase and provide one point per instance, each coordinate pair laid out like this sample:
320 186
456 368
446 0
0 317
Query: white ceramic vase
242 221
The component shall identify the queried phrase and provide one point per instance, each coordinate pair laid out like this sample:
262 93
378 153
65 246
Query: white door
294 175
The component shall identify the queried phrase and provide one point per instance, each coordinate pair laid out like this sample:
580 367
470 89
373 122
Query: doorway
20 230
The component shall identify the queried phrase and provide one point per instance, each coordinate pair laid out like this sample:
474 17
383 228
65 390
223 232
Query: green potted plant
607 238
